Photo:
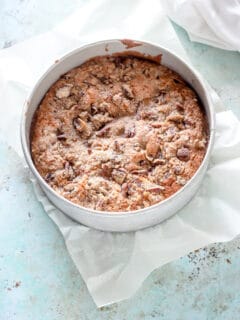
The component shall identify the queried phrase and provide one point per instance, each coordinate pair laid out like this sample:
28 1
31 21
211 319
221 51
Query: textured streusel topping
118 134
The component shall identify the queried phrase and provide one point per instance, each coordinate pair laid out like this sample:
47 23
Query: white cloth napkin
214 22
114 266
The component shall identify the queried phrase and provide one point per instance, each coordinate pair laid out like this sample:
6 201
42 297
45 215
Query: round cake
119 133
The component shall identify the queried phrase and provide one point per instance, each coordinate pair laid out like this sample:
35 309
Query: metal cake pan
131 220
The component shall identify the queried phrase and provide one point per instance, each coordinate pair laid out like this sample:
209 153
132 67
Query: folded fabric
213 22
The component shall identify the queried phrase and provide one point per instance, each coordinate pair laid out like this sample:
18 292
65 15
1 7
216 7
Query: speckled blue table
38 279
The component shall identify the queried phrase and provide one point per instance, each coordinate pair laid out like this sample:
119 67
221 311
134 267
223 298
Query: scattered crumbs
194 274
192 258
17 284
205 254
213 252
107 308
56 61
206 257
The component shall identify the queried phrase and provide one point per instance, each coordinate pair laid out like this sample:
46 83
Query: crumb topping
118 134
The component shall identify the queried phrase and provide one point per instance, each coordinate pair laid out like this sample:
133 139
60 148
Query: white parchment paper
114 266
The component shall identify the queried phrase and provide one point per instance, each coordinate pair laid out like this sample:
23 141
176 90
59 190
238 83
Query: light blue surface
38 280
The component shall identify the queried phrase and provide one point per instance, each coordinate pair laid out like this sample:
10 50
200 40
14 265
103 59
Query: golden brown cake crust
118 134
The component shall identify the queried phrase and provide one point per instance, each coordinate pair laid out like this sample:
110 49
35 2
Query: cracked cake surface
118 133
